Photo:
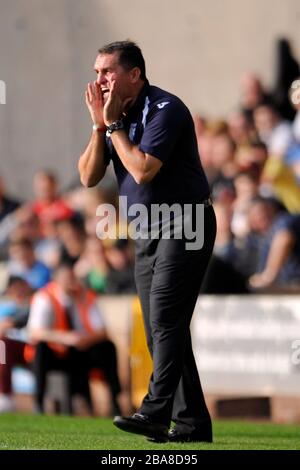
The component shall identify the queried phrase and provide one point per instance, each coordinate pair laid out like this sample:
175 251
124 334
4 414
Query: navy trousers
168 279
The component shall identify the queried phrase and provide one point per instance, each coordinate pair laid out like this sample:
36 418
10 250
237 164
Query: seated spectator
222 157
48 206
206 133
7 205
23 263
21 223
276 133
14 311
222 277
280 180
71 235
48 248
120 276
69 334
14 303
93 266
108 264
246 188
240 128
279 248
28 226
252 94
24 223
252 157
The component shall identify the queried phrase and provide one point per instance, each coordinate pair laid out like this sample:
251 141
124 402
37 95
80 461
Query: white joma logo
163 104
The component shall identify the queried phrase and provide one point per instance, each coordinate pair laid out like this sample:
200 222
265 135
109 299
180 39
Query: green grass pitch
55 432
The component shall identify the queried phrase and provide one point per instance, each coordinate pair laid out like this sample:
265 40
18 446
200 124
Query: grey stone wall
197 49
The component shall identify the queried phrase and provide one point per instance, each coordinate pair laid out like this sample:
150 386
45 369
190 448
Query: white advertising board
248 344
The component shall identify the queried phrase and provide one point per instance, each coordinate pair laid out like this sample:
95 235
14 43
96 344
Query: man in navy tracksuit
149 135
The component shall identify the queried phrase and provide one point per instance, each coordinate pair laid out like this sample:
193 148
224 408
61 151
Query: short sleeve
163 126
288 222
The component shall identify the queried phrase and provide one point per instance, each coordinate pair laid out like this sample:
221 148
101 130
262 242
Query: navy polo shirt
161 125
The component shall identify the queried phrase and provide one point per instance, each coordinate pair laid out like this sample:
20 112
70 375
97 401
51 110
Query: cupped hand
114 106
94 102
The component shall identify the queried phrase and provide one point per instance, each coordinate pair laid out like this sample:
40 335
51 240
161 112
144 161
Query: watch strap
115 126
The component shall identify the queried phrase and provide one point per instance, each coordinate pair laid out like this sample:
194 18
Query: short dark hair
15 280
48 174
21 241
63 265
130 55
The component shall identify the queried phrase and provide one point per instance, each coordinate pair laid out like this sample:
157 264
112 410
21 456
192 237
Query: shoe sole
207 441
132 428
180 441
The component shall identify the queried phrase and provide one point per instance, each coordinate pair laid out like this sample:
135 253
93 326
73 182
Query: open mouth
105 92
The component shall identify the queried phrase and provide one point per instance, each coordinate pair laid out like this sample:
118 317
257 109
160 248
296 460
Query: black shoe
142 424
194 436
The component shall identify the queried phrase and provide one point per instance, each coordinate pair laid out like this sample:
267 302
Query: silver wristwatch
115 126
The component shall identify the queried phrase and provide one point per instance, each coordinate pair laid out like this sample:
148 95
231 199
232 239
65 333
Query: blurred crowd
252 160
38 235
53 268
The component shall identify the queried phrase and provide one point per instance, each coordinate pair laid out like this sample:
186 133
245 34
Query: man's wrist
115 126
99 127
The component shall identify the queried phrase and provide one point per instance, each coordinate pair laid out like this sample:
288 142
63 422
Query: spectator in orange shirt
48 206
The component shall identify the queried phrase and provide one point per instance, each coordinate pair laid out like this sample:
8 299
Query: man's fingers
94 93
112 86
91 88
97 90
90 92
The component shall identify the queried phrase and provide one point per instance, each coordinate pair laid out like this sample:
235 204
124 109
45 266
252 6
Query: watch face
115 126
118 124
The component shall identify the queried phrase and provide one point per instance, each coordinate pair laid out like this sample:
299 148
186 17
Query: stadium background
198 50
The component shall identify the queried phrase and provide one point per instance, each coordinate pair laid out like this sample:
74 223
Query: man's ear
135 74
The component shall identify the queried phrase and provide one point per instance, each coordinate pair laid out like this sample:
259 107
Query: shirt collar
140 101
